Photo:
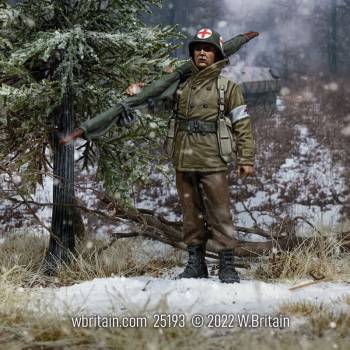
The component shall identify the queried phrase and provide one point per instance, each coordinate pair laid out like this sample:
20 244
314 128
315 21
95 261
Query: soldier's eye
204 48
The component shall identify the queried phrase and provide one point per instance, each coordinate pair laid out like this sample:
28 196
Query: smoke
286 30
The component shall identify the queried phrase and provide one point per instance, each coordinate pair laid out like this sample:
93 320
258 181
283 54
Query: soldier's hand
245 170
76 133
134 89
168 69
127 117
251 35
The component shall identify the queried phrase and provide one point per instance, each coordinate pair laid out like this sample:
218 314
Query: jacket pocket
225 140
169 144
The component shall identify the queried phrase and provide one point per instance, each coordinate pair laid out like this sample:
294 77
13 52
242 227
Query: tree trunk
62 240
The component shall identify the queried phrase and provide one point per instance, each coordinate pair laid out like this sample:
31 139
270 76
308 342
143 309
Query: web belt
197 126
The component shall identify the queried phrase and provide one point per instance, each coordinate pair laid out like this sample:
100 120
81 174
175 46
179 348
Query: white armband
238 113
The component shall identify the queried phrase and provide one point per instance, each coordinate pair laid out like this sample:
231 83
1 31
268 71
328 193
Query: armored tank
260 85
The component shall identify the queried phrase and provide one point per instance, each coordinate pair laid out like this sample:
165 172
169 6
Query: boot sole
180 277
230 281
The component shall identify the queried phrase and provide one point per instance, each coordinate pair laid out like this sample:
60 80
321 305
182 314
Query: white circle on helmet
204 33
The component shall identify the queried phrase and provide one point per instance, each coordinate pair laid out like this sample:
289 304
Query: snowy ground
135 295
311 171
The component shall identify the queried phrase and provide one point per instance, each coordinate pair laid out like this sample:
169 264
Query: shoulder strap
222 84
177 97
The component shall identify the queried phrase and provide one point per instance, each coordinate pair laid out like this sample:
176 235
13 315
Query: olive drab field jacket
198 103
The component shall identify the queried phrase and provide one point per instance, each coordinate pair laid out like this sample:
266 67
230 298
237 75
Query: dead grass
22 256
264 339
300 309
119 259
319 258
347 299
321 318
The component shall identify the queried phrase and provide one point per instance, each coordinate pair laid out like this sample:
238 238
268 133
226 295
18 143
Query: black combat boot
227 271
196 266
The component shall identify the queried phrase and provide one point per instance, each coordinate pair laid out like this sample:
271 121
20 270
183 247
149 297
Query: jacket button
205 106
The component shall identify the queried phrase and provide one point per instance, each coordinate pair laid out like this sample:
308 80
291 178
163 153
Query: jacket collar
210 72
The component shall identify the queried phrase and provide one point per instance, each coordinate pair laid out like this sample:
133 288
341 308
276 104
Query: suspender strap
178 91
222 87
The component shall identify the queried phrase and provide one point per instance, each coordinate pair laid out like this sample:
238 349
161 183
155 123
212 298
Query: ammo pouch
225 139
169 144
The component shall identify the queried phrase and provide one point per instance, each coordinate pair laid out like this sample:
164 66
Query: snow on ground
280 105
321 172
120 295
311 171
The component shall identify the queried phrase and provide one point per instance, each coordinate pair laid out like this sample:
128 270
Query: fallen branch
306 284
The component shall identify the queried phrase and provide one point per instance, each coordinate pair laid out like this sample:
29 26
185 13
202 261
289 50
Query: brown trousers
205 202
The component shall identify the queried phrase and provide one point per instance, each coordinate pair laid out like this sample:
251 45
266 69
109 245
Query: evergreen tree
63 61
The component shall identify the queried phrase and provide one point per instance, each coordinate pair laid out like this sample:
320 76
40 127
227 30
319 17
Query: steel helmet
208 36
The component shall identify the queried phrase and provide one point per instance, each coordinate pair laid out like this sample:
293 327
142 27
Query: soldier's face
204 55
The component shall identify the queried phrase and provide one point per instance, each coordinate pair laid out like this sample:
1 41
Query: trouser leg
194 227
206 207
215 193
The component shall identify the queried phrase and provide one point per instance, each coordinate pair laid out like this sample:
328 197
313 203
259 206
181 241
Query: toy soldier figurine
209 127
211 120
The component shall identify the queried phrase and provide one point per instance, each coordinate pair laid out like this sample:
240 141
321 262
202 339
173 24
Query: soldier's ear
218 56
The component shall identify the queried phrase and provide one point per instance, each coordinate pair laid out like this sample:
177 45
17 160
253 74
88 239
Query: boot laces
227 260
195 259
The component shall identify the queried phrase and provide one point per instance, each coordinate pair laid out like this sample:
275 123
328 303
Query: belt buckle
196 126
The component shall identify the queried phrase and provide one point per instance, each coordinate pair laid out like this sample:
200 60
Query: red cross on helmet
208 36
